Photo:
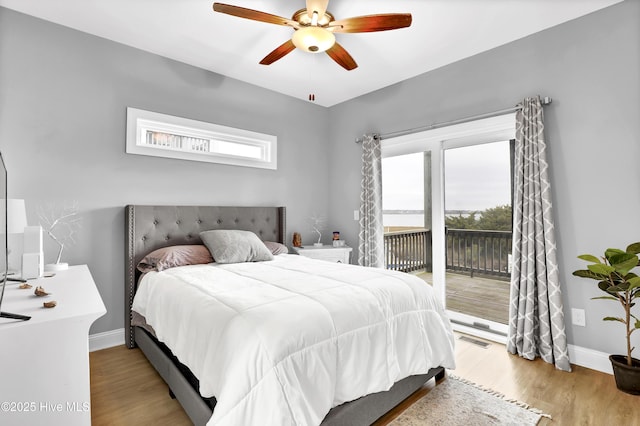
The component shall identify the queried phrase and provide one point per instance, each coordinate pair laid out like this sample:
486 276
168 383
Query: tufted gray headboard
148 228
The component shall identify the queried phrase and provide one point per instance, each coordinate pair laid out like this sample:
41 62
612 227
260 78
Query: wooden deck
481 297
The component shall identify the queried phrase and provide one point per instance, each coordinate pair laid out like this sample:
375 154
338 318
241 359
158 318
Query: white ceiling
443 31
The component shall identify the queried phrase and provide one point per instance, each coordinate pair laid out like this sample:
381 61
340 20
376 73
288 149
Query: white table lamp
16 222
16 216
32 256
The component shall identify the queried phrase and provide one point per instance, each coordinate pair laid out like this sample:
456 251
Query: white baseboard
578 355
107 339
590 358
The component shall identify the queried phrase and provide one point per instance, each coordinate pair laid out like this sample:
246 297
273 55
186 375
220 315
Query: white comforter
282 342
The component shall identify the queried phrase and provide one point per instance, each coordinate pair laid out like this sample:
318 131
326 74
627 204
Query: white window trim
139 122
493 129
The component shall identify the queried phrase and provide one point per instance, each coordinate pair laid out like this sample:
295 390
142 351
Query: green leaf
634 283
619 287
604 286
612 252
623 262
601 269
584 273
621 257
605 298
589 258
637 324
613 319
633 248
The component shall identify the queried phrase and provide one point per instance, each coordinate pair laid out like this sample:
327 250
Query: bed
148 228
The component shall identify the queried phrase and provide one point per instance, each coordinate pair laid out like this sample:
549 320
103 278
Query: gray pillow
235 246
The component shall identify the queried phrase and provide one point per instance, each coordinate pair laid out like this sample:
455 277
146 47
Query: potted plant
614 277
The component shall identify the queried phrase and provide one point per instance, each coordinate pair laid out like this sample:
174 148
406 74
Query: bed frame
148 228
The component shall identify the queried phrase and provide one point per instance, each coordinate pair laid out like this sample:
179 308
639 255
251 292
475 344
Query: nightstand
328 253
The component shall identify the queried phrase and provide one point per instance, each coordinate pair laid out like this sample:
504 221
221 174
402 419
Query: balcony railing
478 251
408 251
469 250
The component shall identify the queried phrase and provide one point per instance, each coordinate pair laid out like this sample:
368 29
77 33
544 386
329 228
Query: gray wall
590 67
63 99
63 96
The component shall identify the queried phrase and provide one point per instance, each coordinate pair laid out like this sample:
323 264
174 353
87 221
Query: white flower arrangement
318 225
61 223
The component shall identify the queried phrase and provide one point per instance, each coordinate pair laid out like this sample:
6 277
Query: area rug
456 401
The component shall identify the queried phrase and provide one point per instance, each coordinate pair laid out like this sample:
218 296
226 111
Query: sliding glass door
447 217
478 221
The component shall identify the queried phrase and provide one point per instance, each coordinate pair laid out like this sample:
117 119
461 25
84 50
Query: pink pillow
276 248
172 256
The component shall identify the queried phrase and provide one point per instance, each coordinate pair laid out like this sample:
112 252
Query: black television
4 244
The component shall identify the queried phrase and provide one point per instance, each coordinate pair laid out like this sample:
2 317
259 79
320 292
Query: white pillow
235 246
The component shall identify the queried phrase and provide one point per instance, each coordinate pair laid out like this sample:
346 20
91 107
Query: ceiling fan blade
371 23
254 15
278 53
342 57
319 6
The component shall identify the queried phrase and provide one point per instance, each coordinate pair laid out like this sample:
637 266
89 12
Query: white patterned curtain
371 236
536 319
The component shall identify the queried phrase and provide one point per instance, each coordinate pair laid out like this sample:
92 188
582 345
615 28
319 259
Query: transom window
161 135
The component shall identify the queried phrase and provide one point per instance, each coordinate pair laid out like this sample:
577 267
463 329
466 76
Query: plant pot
627 376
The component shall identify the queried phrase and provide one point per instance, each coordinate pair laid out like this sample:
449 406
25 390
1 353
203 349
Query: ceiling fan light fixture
313 39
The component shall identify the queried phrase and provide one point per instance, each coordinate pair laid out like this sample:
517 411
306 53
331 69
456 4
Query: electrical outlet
356 215
577 317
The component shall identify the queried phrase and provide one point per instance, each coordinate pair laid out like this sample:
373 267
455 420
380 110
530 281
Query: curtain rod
545 101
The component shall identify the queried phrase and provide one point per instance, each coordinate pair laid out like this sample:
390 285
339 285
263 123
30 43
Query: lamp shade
16 216
313 39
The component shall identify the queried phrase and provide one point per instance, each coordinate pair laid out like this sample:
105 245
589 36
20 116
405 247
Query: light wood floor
126 390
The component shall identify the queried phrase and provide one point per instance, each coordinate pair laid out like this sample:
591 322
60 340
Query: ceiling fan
315 27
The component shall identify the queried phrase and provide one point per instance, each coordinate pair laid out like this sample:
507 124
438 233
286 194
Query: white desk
44 362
